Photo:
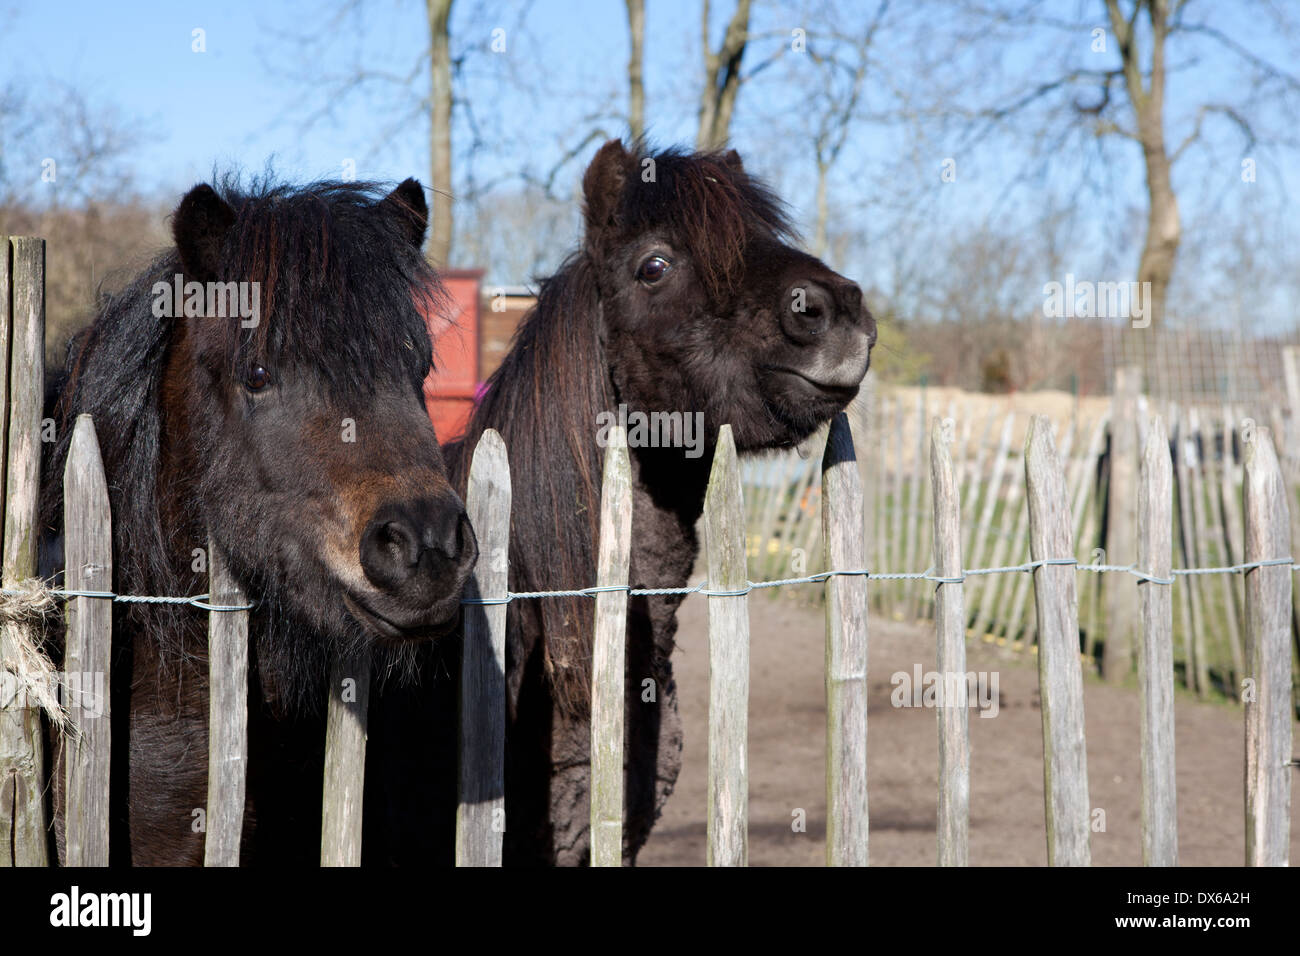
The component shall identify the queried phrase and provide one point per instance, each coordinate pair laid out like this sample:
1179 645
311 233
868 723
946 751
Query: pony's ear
405 205
199 227
731 159
603 183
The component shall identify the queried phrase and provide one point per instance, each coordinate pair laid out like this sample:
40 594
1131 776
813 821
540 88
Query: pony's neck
668 501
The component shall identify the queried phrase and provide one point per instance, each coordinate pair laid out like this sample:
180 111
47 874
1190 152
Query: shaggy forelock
710 206
348 267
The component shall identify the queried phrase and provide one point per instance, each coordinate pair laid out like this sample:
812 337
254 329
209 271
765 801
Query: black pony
686 298
260 386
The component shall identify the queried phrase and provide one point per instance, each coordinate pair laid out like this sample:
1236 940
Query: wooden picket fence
1100 455
849 547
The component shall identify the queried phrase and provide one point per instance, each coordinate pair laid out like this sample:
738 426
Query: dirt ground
787 761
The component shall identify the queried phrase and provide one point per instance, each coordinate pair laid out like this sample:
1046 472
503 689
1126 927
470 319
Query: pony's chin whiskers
396 665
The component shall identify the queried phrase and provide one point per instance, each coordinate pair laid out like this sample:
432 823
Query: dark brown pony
685 297
293 433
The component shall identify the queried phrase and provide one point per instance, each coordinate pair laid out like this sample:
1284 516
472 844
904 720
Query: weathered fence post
88 555
1060 678
843 522
480 813
22 749
1156 651
227 714
1121 495
724 535
1268 655
950 633
607 685
346 719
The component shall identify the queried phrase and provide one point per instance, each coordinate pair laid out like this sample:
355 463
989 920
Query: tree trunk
635 83
1164 230
823 211
721 77
440 137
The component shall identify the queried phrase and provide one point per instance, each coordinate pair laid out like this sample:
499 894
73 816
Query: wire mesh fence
1201 366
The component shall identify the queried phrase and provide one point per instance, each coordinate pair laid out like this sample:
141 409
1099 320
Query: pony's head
707 307
685 297
292 404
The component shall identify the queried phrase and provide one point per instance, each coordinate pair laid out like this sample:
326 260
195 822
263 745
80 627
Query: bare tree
442 222
635 79
844 62
1147 101
722 76
1129 100
66 176
58 146
425 88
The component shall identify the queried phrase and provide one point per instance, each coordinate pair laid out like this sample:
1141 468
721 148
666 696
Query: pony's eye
258 378
653 269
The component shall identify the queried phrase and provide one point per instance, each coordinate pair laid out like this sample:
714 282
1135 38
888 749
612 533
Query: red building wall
450 389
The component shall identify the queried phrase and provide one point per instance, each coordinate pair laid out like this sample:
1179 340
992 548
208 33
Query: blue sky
234 103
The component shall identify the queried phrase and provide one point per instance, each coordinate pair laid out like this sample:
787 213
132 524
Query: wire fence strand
35 591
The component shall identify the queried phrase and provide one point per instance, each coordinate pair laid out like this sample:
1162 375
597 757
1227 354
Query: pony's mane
555 379
543 400
318 257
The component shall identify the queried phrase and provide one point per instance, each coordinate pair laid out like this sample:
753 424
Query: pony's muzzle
832 330
419 554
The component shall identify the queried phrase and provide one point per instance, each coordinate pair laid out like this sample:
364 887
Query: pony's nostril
808 311
443 533
398 539
389 549
416 549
